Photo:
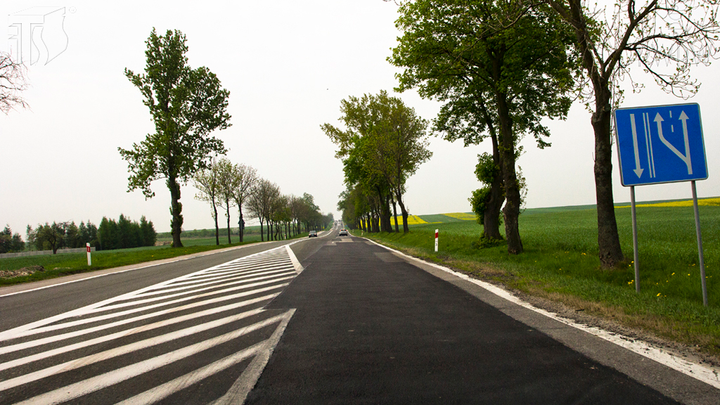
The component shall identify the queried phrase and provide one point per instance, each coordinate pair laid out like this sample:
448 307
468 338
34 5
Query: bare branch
12 83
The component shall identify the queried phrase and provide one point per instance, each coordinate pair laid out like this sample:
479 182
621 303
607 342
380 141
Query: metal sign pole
635 239
700 248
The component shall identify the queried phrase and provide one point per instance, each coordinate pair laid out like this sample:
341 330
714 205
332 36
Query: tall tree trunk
608 237
217 227
241 225
385 225
511 212
262 233
404 212
609 249
227 214
491 217
175 210
397 229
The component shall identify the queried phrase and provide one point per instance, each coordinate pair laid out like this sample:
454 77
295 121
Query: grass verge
560 264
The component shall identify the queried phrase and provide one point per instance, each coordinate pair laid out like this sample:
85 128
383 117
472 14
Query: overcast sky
287 65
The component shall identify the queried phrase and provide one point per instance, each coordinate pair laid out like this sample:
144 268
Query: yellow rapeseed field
462 215
685 203
412 220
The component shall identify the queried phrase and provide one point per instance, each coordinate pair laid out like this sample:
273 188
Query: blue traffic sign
660 144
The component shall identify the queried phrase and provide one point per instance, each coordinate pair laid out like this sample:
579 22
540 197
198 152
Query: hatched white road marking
143 323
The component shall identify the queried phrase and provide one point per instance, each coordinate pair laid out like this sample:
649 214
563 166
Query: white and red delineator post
88 254
436 240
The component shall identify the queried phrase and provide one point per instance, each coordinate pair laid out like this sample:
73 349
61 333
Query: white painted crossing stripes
162 341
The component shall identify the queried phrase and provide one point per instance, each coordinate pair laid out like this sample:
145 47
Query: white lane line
247 380
83 310
241 267
121 374
232 275
165 390
213 284
697 371
260 350
186 297
121 350
119 314
124 333
294 260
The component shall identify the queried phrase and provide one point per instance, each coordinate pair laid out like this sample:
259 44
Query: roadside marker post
661 144
87 245
436 240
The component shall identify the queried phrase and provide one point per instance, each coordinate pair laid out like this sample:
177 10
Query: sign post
661 144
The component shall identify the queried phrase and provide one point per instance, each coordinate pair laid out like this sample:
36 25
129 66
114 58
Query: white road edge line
697 371
298 267
237 394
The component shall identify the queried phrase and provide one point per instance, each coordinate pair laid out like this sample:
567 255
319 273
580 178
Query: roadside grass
72 263
560 263
211 240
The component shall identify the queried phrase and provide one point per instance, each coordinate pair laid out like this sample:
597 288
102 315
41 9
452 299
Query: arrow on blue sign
661 149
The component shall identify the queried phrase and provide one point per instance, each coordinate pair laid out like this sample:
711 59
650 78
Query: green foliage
383 144
478 201
500 68
124 233
486 170
50 237
186 105
10 242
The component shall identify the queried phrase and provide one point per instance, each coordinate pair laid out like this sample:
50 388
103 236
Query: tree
72 237
207 183
88 234
261 203
398 147
186 105
109 234
384 144
501 67
12 82
10 242
481 201
50 236
147 232
681 33
227 182
244 179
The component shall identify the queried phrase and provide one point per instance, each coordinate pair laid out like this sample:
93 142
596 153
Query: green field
560 263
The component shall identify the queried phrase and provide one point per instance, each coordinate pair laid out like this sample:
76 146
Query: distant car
312 233
344 232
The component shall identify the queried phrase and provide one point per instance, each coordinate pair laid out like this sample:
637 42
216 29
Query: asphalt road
325 320
370 328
